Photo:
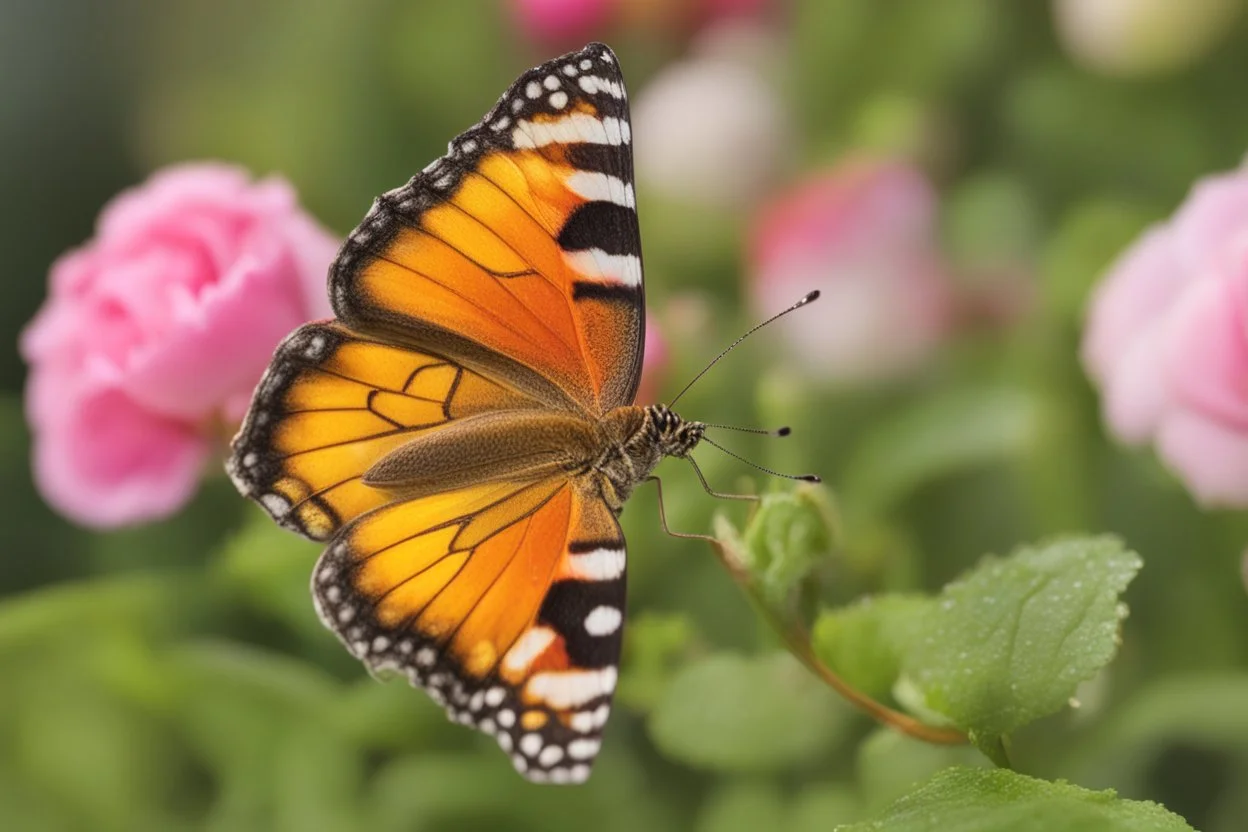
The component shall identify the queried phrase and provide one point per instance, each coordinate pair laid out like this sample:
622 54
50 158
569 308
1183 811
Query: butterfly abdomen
507 445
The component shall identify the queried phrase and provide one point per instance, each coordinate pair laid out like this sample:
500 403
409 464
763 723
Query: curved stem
797 640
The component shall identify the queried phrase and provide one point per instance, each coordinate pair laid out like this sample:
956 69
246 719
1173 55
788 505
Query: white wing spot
530 744
494 697
380 643
550 755
333 595
425 657
506 718
570 688
603 621
558 100
346 614
569 70
601 187
598 565
277 505
594 262
533 89
504 742
551 82
579 774
586 64
583 749
527 648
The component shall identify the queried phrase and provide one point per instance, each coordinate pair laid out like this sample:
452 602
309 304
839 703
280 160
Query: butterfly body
613 455
463 434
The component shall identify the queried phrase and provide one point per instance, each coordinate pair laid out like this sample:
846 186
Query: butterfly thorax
635 440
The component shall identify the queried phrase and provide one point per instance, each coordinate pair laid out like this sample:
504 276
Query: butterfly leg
706 486
658 484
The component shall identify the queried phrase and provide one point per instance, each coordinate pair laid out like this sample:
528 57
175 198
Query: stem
797 640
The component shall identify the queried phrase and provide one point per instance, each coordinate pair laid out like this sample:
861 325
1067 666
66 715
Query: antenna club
784 431
811 478
813 295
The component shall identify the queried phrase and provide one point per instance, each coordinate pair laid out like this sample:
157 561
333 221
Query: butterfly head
672 435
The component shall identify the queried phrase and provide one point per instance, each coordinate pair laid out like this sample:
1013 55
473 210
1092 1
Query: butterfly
463 433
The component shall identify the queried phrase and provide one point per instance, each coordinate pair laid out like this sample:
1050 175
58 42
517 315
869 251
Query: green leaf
1009 642
890 765
996 800
865 642
731 713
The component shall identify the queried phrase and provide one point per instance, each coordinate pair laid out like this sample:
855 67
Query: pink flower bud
863 233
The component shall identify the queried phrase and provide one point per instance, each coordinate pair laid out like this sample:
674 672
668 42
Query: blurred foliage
176 677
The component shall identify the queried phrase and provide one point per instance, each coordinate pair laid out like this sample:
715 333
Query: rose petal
1214 213
114 463
224 349
1206 354
1131 300
1210 458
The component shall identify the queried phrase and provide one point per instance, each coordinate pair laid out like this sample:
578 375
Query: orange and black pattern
498 295
520 246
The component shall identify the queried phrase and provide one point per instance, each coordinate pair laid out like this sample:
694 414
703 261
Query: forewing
332 404
504 602
520 247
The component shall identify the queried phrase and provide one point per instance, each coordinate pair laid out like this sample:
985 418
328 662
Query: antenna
809 297
801 477
784 431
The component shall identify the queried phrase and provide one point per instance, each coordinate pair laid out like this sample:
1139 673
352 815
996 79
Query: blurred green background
175 676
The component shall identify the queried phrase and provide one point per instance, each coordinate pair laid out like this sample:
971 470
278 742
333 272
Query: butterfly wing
333 403
504 601
505 277
520 247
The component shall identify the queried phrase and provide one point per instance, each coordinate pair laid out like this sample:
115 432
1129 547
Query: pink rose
1167 340
864 234
154 334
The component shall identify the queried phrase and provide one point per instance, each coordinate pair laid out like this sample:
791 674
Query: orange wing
504 601
520 247
331 404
